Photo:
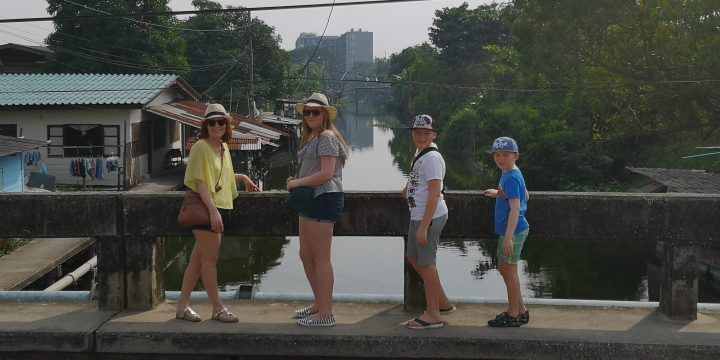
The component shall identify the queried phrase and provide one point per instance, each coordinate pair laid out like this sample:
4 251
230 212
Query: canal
468 267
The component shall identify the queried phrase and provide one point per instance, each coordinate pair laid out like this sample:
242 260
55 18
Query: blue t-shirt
512 186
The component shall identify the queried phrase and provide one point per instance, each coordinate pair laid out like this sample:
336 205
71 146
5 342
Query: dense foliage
118 46
210 50
586 87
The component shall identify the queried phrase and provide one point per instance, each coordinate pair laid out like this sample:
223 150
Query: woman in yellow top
210 173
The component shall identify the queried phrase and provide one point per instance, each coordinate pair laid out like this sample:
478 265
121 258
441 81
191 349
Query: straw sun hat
217 110
317 100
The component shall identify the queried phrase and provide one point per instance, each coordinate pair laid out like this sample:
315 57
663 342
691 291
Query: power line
490 86
206 11
144 22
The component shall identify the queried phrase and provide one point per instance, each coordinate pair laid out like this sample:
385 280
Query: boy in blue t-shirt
512 228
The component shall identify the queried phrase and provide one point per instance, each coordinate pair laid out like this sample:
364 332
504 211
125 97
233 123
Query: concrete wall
129 224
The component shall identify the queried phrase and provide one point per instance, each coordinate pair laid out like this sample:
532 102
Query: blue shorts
325 207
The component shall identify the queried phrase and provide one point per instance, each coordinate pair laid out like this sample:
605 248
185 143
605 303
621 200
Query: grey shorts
425 254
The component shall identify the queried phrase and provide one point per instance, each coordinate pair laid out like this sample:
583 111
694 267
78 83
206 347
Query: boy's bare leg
431 280
512 283
444 302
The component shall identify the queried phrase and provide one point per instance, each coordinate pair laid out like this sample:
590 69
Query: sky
394 26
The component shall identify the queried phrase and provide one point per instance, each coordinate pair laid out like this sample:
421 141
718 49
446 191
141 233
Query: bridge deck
38 257
76 330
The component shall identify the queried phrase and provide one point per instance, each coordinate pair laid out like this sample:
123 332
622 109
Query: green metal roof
81 89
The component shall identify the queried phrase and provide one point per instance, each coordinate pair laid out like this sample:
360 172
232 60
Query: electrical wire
206 11
144 22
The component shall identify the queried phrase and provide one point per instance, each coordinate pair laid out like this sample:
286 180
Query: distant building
22 59
355 47
311 40
349 49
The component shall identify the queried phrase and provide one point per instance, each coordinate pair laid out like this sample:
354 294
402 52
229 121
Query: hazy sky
394 26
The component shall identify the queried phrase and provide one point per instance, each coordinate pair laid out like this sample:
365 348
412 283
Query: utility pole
252 69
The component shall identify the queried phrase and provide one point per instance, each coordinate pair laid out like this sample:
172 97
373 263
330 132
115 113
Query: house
678 180
252 139
96 119
15 153
23 59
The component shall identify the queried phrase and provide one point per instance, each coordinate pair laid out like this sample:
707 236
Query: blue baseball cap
504 143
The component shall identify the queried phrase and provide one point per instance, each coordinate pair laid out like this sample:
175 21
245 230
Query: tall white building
350 48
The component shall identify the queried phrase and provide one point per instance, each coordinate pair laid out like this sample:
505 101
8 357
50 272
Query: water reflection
243 260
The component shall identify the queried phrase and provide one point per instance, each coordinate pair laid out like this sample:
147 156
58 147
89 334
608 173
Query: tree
462 34
120 45
219 51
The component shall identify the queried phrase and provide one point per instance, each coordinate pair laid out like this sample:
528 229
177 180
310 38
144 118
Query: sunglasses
313 112
216 122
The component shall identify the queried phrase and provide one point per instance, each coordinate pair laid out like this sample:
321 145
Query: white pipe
72 277
364 298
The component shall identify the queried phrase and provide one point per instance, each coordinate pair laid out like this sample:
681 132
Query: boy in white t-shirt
428 215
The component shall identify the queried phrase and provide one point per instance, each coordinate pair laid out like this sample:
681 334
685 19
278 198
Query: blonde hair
327 124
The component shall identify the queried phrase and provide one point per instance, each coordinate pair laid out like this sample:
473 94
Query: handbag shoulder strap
425 151
222 164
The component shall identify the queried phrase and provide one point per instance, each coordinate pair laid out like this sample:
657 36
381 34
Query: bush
9 245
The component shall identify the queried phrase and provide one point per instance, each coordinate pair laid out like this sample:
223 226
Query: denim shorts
325 207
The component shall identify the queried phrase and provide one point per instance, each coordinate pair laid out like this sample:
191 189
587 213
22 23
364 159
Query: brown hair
228 129
327 124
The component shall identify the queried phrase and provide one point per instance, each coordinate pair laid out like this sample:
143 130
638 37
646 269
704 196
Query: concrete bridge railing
130 256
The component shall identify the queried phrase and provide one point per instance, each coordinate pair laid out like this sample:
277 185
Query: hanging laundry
31 157
111 164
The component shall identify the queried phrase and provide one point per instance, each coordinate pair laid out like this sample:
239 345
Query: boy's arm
491 193
511 225
430 207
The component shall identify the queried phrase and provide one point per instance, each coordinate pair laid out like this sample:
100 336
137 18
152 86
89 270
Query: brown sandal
225 316
188 314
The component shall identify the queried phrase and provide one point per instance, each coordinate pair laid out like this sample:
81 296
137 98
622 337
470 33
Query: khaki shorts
427 254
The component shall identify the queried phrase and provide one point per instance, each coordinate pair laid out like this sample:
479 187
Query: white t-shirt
430 166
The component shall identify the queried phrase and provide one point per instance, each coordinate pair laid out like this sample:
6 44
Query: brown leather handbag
193 211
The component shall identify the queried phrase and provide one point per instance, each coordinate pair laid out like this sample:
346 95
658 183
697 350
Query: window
82 140
8 130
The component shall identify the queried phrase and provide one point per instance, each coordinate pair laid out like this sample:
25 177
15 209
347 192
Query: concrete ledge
35 259
50 327
37 330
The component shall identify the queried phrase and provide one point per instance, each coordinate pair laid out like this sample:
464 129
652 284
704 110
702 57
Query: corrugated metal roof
191 113
81 89
234 144
12 145
684 181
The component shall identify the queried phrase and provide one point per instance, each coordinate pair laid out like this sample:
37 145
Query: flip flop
448 311
423 324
